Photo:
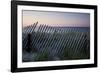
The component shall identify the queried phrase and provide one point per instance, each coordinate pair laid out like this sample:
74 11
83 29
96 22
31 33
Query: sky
61 19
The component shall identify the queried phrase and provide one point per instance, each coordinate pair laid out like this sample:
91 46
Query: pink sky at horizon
62 19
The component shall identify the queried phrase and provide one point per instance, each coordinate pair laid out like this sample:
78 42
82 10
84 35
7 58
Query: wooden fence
51 43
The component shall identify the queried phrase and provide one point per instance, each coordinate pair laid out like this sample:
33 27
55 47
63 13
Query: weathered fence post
29 42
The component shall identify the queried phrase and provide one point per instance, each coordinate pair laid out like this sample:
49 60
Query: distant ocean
79 29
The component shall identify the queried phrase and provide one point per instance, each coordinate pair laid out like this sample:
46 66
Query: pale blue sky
68 19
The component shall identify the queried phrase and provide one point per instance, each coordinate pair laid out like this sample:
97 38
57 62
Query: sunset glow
68 19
